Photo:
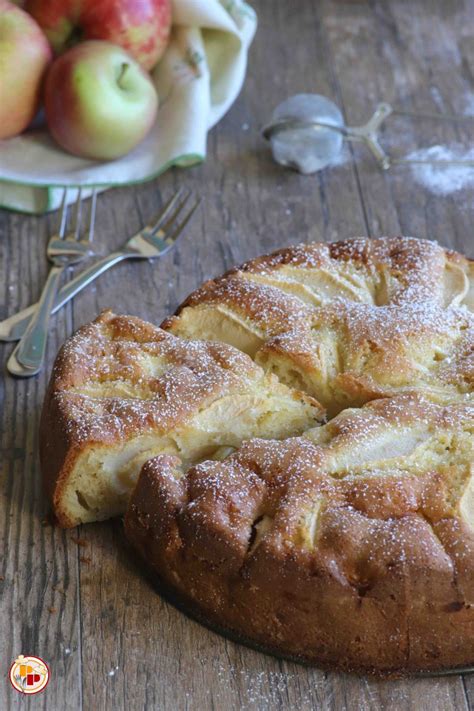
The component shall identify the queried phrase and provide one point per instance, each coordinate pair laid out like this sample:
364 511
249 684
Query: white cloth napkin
197 80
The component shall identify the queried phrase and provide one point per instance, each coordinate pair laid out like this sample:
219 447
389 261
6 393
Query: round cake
347 541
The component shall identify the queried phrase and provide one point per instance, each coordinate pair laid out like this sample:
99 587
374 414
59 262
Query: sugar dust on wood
448 178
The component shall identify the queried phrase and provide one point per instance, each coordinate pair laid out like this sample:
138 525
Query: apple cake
123 391
293 449
351 546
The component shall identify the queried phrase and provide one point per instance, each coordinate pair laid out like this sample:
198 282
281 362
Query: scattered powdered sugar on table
444 179
261 689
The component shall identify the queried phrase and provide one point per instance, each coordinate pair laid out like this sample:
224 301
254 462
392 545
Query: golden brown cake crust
416 268
347 321
120 379
284 544
350 545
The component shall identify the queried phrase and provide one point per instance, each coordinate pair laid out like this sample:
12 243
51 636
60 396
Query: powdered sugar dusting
370 497
444 179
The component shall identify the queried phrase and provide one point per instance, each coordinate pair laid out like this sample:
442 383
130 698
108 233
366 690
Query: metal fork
64 249
152 241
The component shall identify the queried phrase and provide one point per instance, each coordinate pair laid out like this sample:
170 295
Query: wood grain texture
111 641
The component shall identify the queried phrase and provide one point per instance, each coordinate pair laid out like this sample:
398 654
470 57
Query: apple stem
123 71
74 36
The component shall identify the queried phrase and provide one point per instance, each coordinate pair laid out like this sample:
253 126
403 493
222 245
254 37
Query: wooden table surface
76 598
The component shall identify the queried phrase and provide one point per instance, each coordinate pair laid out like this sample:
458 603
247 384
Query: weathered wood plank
39 602
385 51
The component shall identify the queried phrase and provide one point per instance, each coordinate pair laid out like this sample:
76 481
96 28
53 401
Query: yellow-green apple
100 103
24 55
141 27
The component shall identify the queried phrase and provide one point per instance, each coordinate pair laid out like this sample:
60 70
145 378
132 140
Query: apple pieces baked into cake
351 546
123 391
349 543
347 321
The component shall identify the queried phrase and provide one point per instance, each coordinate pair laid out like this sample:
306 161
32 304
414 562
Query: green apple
24 57
99 102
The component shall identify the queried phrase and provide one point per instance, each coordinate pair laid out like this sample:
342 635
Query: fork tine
76 221
173 236
91 221
155 225
172 218
63 218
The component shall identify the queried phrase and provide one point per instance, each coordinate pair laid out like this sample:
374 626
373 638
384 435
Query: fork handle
13 328
31 350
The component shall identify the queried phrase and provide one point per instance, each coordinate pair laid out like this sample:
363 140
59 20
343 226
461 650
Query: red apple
141 27
24 56
99 101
